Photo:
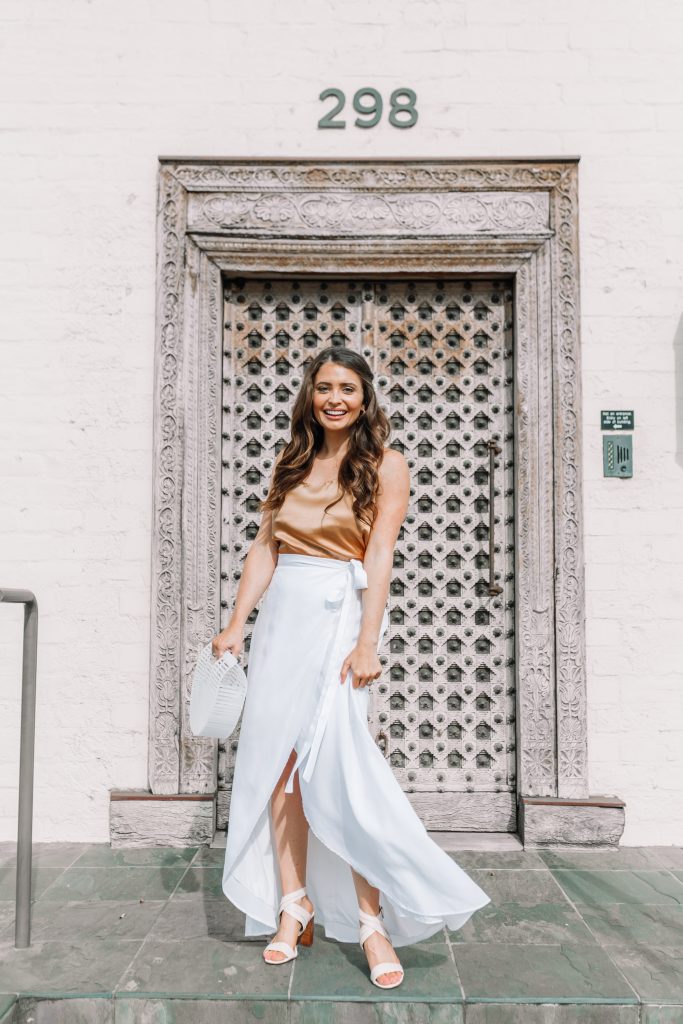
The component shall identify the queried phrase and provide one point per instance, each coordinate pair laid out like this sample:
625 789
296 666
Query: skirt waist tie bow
356 579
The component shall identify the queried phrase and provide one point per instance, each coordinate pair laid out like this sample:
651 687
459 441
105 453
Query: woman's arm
392 505
259 565
257 571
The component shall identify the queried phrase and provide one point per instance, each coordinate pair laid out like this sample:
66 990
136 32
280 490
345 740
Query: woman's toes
381 949
389 978
275 956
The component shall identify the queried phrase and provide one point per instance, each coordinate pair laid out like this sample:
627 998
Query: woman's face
337 397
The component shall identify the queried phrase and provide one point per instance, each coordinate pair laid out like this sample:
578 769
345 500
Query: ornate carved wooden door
443 713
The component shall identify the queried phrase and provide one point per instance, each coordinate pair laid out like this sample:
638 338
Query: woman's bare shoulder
394 469
393 460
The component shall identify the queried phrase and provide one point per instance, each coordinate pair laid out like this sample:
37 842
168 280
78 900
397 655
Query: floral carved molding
381 212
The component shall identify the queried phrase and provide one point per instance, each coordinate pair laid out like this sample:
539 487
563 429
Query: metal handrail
22 925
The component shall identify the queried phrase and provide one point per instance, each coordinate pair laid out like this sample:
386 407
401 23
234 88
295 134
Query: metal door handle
494 449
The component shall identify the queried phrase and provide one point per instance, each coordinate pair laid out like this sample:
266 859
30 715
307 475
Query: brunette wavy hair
358 471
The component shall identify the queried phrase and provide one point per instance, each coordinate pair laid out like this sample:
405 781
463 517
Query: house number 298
368 103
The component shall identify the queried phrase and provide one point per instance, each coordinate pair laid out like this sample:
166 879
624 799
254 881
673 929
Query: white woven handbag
219 687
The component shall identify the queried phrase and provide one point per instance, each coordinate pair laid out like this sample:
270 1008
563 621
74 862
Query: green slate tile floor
121 936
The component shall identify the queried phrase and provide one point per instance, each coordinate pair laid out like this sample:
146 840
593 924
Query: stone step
152 1009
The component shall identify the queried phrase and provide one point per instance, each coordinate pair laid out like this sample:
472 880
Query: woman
318 822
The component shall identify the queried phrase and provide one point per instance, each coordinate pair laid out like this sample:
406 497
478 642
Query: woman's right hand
229 639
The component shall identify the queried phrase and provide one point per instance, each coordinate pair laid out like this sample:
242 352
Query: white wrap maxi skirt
358 814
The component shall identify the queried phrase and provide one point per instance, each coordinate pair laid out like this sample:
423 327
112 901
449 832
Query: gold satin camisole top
302 527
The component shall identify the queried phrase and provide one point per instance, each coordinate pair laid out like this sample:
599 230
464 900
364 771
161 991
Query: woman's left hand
364 665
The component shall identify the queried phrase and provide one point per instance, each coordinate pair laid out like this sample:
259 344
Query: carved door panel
443 712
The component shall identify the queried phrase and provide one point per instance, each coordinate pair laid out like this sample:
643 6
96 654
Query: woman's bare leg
291 843
377 948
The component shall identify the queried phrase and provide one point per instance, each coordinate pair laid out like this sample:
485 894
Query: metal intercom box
617 455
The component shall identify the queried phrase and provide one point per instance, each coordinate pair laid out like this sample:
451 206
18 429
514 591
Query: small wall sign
616 419
368 103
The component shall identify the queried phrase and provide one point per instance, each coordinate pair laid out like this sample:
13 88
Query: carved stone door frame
465 218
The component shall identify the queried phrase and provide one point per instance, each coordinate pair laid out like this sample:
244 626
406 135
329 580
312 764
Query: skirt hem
438 920
230 886
260 913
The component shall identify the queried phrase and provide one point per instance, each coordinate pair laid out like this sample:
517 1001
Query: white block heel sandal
371 923
289 905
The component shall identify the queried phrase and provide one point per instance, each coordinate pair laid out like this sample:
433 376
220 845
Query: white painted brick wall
92 92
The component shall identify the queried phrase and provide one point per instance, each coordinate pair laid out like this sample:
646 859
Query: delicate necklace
324 483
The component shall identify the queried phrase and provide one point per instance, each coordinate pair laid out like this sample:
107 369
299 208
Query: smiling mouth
334 414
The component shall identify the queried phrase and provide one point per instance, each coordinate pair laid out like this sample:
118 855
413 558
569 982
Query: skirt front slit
358 815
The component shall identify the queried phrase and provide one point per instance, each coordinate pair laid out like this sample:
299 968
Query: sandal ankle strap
289 905
370 923
290 897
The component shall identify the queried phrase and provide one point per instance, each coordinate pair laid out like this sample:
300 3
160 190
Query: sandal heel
306 937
